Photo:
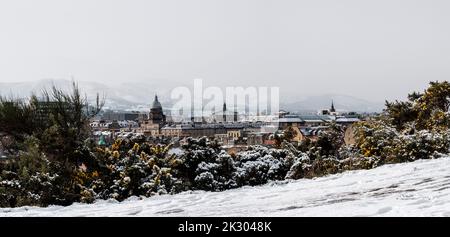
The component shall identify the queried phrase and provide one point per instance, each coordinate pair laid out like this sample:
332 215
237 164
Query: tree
426 110
434 101
16 123
414 96
328 142
375 137
400 113
64 125
286 136
50 131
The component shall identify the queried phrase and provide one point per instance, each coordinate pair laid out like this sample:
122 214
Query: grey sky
369 49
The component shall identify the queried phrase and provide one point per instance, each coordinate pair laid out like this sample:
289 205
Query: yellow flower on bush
116 154
95 174
136 147
116 145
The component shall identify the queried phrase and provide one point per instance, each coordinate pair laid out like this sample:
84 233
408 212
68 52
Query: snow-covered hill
421 188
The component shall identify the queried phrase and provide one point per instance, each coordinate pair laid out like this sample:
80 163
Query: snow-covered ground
420 188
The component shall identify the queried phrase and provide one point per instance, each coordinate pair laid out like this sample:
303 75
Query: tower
332 110
156 114
224 112
235 114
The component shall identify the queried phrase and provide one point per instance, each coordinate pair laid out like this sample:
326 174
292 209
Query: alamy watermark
232 103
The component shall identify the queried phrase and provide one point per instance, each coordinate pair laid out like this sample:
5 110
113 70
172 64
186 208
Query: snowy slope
421 188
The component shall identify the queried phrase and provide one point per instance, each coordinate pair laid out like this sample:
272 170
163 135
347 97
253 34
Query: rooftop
156 104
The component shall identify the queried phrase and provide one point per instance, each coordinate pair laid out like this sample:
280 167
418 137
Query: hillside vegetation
52 158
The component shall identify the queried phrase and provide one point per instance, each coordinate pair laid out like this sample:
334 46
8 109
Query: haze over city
373 50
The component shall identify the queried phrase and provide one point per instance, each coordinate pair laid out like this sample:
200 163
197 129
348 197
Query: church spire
332 107
224 112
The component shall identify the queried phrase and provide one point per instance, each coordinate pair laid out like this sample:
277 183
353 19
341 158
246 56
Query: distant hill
126 96
139 96
341 103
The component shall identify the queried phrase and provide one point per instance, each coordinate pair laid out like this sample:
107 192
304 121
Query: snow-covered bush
208 167
420 145
216 175
297 169
374 138
136 170
260 164
359 163
322 167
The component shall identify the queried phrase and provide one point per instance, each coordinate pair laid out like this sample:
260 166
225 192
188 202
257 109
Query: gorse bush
411 130
135 170
423 111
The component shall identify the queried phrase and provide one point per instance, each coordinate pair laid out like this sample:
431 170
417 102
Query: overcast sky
369 49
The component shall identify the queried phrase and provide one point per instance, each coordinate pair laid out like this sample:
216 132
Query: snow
420 188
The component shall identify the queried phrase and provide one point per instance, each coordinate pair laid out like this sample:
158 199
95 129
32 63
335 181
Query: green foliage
196 152
415 129
46 143
16 118
374 138
421 145
428 110
31 180
322 167
327 144
135 169
360 163
286 136
304 167
401 113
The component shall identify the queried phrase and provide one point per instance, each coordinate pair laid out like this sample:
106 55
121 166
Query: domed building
156 114
155 121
